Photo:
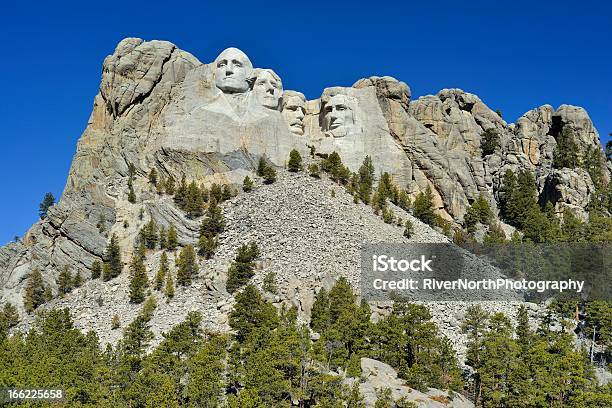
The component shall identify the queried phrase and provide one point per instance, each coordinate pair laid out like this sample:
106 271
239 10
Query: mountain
164 122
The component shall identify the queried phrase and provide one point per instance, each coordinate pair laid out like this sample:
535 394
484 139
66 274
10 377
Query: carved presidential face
232 68
294 111
339 115
267 87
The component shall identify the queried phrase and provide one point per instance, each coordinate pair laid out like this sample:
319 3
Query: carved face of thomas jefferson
339 115
232 68
268 87
294 111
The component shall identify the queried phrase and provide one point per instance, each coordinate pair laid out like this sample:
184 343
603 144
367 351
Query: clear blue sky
515 57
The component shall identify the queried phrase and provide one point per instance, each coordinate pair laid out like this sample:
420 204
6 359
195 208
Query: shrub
295 161
489 141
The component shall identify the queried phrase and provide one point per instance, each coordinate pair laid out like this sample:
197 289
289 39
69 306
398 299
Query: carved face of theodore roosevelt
232 69
339 115
294 111
267 87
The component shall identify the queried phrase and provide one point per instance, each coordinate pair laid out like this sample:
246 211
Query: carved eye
237 63
341 107
221 64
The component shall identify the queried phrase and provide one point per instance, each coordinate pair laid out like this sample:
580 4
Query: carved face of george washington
232 69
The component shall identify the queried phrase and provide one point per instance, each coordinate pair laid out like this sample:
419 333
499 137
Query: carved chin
271 104
297 129
232 85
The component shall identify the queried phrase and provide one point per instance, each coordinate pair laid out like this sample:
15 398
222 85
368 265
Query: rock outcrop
379 376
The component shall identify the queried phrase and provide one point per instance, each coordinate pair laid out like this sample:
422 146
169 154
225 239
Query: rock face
378 376
159 107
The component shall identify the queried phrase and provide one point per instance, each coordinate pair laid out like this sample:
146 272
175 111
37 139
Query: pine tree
77 281
489 141
160 277
138 278
478 212
541 226
506 193
320 315
475 325
595 165
194 203
572 229
216 193
169 286
170 185
365 180
385 187
269 175
207 244
522 200
227 193
64 282
269 283
149 236
295 161
135 341
337 171
112 260
163 238
423 207
180 194
566 152
206 373
314 171
499 355
46 203
408 229
131 193
9 318
96 270
403 200
160 187
242 268
247 184
153 176
252 312
261 166
214 222
187 266
524 335
172 241
34 291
